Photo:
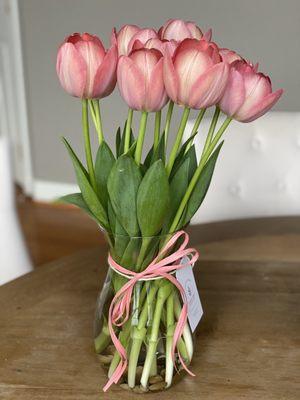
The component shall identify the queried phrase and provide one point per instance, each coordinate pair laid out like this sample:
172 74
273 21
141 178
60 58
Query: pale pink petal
143 35
234 94
195 31
170 77
207 35
124 36
176 30
71 70
156 93
106 76
209 88
260 108
131 83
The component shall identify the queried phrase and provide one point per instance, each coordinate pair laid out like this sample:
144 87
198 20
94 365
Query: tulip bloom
229 55
195 76
140 80
176 29
248 94
143 35
84 68
156 43
124 36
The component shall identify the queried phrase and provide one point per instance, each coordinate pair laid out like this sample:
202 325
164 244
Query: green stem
196 126
178 139
140 140
139 335
87 143
211 130
170 333
168 120
157 129
99 127
163 293
128 130
197 173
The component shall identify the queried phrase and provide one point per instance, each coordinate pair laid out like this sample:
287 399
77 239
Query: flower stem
138 336
99 127
128 130
211 130
163 293
197 173
168 120
178 139
87 143
196 126
157 129
140 140
170 333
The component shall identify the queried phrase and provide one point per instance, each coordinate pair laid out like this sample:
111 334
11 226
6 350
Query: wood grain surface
247 343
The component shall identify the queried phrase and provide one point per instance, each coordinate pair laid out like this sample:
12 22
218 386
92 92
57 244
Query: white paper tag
185 277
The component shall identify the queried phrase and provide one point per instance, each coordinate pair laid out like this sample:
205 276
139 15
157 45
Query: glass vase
147 335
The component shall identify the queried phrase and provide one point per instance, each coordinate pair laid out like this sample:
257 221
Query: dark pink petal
156 93
170 77
106 76
131 83
261 108
71 70
234 95
209 88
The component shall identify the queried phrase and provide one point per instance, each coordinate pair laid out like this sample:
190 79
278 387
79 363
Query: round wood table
247 342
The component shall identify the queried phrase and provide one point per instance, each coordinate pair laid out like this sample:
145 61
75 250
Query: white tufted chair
14 260
258 171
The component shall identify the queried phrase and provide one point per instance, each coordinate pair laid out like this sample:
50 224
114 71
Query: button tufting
235 190
256 143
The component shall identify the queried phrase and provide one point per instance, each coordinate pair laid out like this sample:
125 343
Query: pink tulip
124 36
195 76
143 35
229 55
248 94
84 68
156 43
140 80
176 29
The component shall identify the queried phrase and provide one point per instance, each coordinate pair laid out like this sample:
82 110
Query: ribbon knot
160 267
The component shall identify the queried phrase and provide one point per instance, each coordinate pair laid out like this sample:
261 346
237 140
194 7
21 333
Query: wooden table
247 343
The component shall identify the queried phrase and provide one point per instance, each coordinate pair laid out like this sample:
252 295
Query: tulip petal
131 83
106 75
71 70
170 77
260 108
234 94
156 93
207 35
209 87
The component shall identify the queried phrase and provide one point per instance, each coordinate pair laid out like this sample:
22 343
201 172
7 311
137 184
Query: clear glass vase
147 335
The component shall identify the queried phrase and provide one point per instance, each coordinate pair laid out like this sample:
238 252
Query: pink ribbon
119 310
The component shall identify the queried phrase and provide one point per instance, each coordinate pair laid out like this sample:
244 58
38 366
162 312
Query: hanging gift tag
185 277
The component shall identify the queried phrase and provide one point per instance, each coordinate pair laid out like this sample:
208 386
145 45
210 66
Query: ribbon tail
117 375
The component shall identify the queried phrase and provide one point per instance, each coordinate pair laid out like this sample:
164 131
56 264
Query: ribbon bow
119 310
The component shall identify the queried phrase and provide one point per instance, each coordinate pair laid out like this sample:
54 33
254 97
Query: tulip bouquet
142 203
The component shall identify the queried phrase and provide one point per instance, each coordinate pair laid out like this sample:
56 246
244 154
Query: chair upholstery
258 170
14 260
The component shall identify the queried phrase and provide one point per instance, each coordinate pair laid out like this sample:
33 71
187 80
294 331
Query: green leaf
103 165
181 154
148 158
131 149
118 141
123 183
160 153
153 199
122 144
178 187
88 194
191 155
77 200
202 186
